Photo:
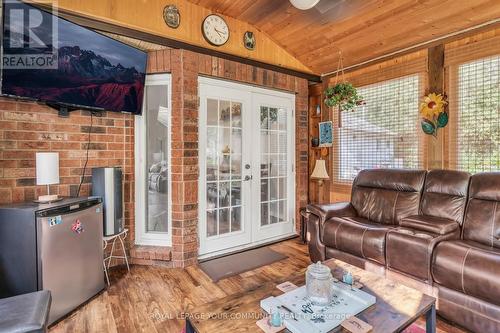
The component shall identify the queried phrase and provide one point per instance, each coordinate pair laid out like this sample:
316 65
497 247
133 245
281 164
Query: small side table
121 236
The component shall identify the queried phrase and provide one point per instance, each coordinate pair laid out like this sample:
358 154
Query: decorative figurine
249 40
171 16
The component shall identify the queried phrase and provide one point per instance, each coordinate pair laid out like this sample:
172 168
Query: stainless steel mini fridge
56 247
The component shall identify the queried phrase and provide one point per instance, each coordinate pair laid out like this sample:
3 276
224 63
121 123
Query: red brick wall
28 127
185 67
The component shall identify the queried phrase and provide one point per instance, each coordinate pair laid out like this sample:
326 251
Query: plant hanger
340 68
342 95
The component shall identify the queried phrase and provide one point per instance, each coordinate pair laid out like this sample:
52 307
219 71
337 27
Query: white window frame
141 236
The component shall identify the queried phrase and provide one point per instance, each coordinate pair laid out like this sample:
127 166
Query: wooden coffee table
397 306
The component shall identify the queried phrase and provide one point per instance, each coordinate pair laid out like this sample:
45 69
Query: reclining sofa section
441 228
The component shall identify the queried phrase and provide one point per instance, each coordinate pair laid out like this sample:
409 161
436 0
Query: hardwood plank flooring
154 299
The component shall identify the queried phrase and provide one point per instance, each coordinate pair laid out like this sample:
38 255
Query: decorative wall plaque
249 40
171 16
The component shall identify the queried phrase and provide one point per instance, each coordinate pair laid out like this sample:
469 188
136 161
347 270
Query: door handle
247 178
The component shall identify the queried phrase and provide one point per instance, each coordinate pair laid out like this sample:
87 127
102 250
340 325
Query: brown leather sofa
411 222
467 270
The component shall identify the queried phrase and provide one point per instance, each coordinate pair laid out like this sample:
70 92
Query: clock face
215 30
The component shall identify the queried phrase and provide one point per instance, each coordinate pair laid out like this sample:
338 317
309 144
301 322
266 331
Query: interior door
225 186
274 182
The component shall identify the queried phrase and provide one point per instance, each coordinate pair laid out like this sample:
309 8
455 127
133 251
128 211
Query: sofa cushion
432 224
469 267
387 195
445 194
410 250
357 236
482 218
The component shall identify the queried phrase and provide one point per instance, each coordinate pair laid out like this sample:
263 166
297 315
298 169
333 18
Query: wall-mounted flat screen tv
52 60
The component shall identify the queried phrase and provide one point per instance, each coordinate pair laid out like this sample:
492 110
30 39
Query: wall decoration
315 142
325 134
215 30
318 110
172 16
434 115
249 40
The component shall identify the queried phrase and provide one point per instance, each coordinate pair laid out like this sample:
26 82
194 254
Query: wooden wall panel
147 16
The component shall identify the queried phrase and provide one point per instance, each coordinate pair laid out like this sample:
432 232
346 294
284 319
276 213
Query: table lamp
319 173
47 173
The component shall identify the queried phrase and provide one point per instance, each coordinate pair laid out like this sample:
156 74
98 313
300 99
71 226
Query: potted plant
343 95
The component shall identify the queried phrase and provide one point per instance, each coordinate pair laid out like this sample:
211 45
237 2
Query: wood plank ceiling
362 29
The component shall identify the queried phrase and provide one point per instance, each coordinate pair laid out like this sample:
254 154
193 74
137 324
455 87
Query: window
383 133
152 151
478 128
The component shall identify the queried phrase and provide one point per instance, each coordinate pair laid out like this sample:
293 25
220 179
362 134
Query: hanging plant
434 115
344 96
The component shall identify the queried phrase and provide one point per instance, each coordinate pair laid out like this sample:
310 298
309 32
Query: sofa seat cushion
432 224
409 251
469 267
357 236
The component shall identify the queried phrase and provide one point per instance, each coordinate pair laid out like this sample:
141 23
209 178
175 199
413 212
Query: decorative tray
301 316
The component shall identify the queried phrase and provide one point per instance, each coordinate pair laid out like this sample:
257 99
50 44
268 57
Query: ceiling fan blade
337 10
325 5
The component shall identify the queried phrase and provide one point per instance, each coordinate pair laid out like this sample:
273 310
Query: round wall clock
215 30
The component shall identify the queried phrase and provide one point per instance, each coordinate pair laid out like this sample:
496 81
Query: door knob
247 177
247 166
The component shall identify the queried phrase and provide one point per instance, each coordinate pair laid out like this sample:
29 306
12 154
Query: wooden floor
153 299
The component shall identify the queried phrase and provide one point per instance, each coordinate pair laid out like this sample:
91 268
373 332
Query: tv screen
53 60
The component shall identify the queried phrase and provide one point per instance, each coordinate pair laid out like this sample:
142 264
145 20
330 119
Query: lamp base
48 198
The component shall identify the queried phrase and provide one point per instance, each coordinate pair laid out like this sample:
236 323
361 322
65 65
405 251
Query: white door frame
141 236
253 95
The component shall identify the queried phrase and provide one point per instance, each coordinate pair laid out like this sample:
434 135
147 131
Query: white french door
247 181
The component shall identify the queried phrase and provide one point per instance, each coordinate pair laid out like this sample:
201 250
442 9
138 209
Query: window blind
383 132
477 146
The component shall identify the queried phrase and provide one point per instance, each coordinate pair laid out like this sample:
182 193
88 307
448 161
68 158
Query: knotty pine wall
148 17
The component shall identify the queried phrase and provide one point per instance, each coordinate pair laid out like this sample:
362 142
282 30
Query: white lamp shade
319 171
47 168
304 4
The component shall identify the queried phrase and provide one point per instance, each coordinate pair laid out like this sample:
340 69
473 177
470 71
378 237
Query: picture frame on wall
325 134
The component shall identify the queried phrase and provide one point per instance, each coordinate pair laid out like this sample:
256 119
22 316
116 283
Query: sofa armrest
316 217
436 225
326 211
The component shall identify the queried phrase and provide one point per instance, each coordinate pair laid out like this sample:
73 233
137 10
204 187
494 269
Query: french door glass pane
157 158
223 166
274 163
